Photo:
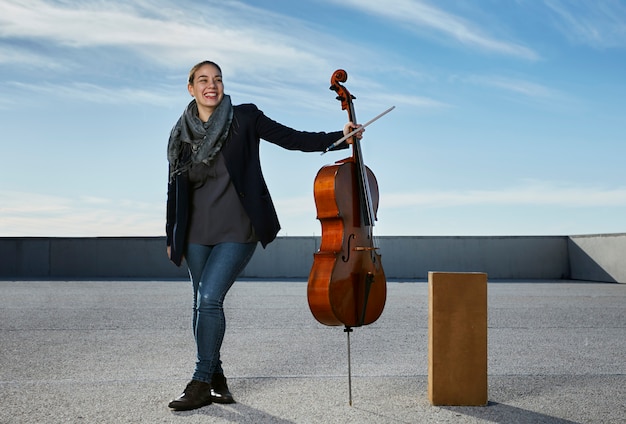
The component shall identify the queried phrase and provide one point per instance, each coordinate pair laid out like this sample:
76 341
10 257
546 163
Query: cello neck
366 205
365 194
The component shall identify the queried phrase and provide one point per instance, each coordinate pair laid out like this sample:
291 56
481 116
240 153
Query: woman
219 208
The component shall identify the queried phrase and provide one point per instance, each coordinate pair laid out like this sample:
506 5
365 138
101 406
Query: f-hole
348 249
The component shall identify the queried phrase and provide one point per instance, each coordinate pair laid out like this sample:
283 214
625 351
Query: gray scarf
205 138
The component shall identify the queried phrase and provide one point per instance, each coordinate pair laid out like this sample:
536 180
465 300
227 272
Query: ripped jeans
213 270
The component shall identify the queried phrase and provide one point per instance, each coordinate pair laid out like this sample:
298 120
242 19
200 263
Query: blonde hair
192 71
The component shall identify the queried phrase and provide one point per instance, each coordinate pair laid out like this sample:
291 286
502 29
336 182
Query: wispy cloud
86 92
167 33
15 56
35 214
529 193
399 99
598 23
514 85
98 41
417 14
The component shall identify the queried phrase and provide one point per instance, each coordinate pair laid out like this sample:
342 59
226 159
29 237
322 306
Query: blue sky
509 119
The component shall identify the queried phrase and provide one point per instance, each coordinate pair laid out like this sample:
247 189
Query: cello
347 283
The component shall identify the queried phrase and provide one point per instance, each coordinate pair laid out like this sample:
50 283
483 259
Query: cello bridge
364 249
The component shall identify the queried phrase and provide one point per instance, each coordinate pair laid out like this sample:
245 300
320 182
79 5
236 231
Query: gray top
216 213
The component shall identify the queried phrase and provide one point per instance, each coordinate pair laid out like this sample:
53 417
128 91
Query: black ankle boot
219 390
196 395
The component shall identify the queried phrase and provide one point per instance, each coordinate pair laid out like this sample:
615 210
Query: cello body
347 283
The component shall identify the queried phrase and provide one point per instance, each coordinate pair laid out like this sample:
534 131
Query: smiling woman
219 208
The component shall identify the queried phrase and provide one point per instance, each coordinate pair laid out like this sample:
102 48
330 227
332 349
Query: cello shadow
502 413
493 412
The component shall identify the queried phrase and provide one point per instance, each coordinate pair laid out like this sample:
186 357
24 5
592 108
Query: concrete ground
119 351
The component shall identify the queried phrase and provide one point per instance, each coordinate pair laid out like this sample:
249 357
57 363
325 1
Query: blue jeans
213 270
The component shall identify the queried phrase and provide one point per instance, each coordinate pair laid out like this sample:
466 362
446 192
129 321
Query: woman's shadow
235 413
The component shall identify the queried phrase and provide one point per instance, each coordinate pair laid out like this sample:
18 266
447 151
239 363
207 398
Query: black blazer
241 154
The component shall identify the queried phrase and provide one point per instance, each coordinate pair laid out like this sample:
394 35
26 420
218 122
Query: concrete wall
413 257
500 257
83 258
597 258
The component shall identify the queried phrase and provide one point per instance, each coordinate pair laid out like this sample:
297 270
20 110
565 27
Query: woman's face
207 89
